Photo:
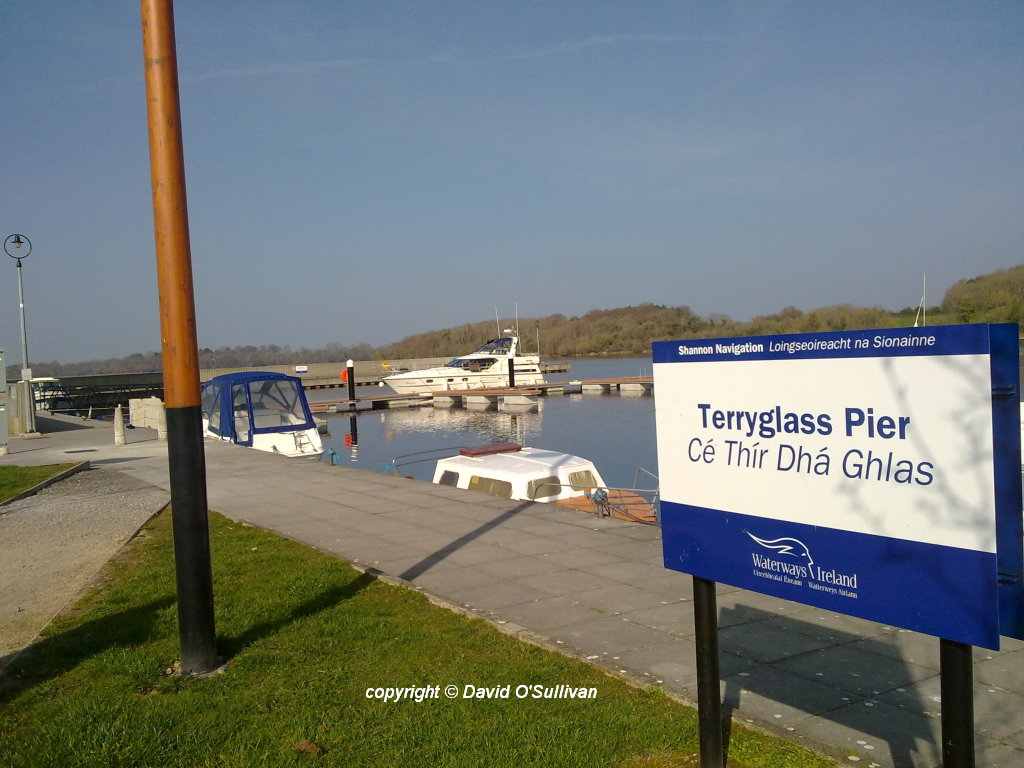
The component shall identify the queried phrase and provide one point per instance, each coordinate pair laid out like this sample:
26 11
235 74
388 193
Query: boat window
430 381
472 364
276 403
582 480
209 394
449 478
490 485
240 411
543 489
500 346
211 407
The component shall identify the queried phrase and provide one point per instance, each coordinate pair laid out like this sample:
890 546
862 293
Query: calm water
616 433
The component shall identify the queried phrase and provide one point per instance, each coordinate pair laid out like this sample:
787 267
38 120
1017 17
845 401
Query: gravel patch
55 542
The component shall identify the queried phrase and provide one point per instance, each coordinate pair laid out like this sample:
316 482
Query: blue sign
872 473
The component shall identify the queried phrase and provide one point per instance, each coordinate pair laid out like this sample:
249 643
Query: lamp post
15 247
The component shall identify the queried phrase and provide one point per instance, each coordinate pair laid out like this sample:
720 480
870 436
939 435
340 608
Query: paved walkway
865 692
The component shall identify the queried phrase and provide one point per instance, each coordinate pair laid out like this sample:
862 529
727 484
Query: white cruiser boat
512 471
483 369
262 410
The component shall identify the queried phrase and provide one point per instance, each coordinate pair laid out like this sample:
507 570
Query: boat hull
454 380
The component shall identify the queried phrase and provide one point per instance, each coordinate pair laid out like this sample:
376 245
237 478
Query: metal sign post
956 669
709 699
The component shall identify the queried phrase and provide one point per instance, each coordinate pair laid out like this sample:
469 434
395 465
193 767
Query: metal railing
638 471
432 454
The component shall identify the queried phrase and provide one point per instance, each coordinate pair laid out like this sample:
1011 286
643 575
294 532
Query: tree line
994 297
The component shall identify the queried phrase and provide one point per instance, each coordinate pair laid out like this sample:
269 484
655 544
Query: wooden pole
178 341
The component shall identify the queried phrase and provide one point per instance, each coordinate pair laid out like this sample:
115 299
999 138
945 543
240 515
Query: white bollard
119 438
161 423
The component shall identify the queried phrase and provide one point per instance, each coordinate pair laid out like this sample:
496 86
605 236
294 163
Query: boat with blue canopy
264 410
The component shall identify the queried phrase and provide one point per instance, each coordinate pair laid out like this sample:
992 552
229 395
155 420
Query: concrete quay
595 588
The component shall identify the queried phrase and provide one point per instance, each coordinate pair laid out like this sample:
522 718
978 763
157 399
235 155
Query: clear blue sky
361 171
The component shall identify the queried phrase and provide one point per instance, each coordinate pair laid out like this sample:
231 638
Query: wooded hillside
995 297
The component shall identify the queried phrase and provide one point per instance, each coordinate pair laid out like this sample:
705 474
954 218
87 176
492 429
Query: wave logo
787 546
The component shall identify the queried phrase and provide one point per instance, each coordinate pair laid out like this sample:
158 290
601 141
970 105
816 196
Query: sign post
827 468
709 699
956 670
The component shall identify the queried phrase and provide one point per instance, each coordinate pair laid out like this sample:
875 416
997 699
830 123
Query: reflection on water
616 433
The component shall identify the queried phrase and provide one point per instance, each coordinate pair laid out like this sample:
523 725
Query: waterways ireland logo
789 561
785 546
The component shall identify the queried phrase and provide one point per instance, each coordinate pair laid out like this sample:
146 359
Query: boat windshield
276 403
472 364
500 346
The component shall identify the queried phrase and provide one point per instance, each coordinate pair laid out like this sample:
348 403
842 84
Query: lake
616 433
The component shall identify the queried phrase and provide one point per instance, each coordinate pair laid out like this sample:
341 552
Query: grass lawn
14 480
306 636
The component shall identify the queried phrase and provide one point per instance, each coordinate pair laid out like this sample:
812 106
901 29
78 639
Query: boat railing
420 457
646 473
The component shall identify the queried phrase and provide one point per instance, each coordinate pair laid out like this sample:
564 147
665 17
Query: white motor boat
263 410
485 368
511 471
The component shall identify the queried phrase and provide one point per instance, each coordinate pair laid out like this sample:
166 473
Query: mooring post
511 372
353 430
118 426
709 699
350 372
178 342
956 669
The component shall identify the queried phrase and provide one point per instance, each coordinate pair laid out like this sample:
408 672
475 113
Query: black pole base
709 699
956 667
191 539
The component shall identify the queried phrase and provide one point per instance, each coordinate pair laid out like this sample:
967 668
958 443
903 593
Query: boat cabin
260 409
510 471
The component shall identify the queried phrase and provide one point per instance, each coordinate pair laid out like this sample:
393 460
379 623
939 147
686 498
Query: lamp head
17 246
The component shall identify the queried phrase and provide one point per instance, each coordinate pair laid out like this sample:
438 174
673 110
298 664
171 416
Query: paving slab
879 733
850 668
550 612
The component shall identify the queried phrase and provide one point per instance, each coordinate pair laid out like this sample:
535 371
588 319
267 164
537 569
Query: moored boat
511 471
263 410
487 367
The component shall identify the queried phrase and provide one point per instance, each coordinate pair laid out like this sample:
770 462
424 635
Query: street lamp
15 247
